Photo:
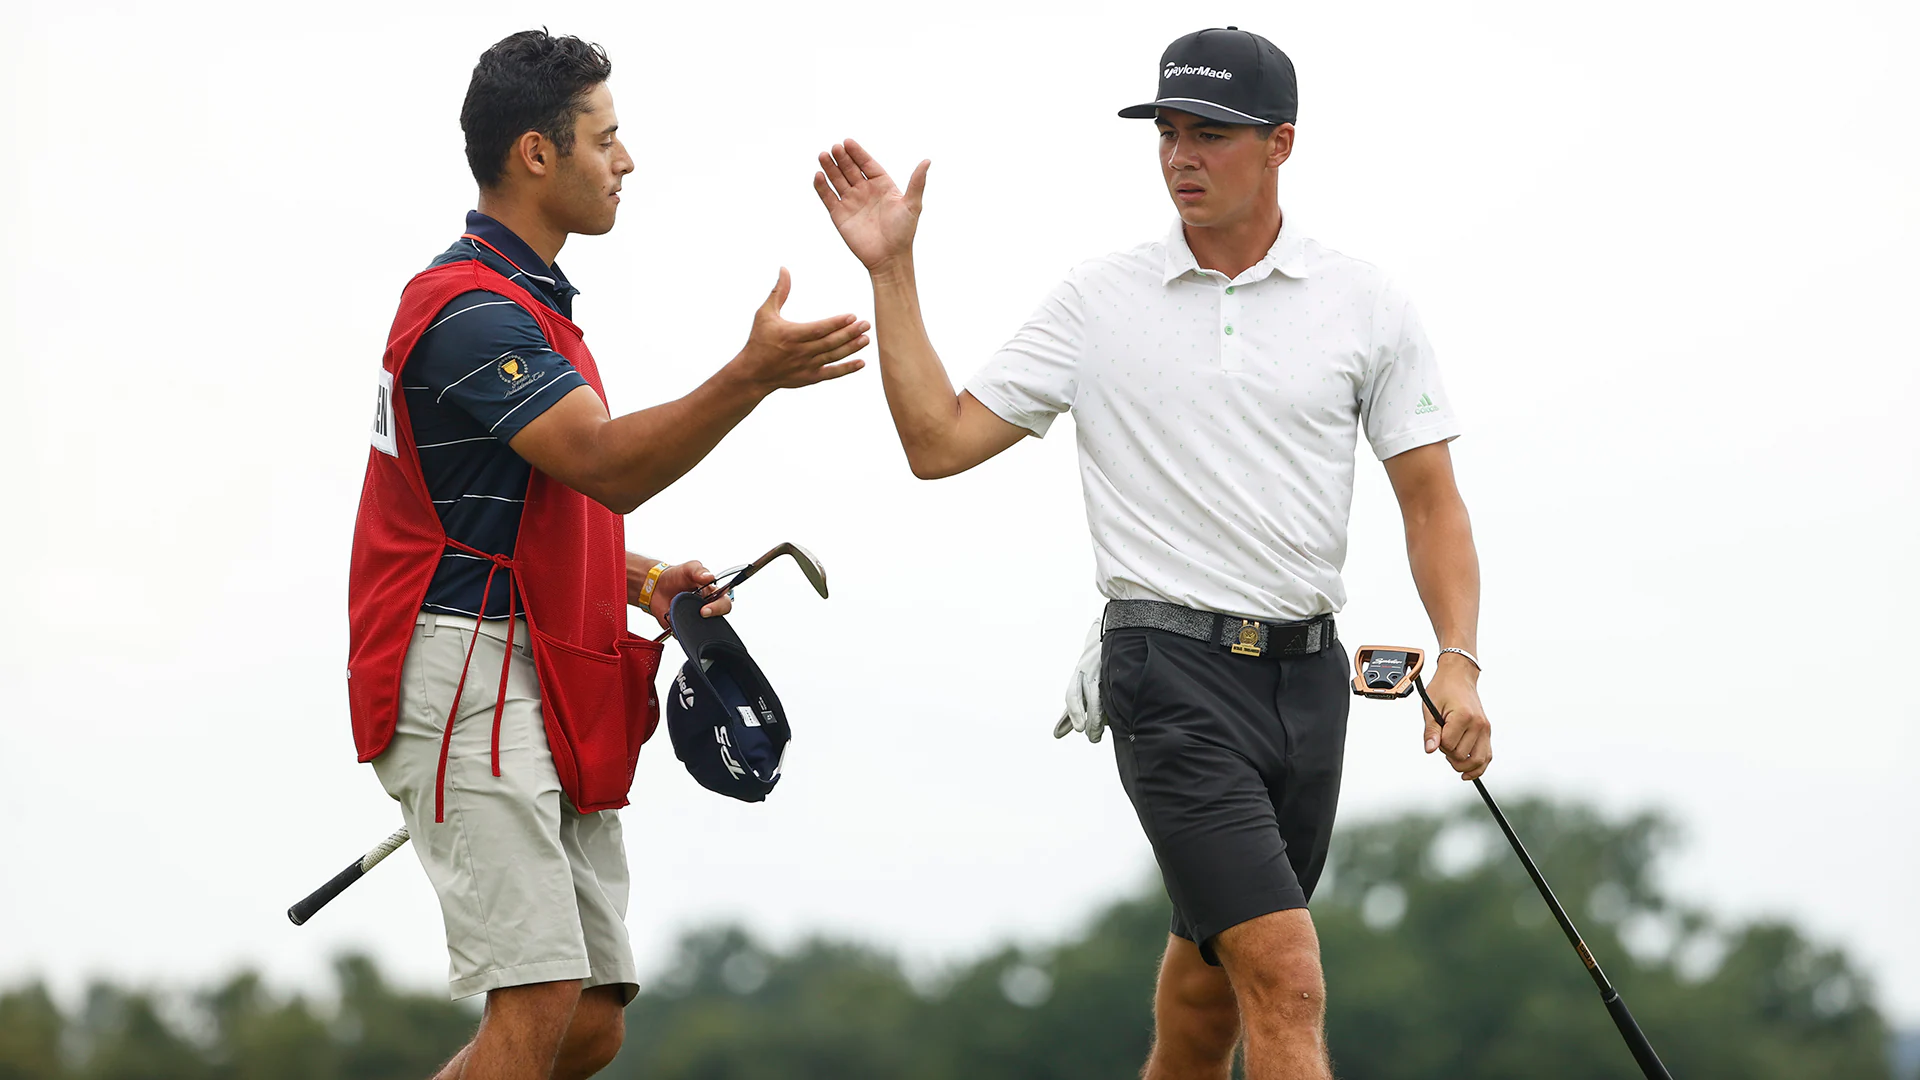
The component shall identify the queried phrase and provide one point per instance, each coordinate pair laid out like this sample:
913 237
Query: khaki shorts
531 890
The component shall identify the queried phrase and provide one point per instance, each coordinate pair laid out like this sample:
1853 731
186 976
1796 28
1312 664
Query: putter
1388 672
809 565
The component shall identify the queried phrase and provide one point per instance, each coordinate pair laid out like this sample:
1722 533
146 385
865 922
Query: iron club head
809 565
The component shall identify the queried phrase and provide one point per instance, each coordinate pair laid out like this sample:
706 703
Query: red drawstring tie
500 562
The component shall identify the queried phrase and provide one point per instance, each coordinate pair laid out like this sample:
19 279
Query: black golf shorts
1233 764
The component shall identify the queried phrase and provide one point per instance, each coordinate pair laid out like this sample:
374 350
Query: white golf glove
1083 693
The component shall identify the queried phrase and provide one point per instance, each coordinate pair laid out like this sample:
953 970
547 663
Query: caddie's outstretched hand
1466 737
875 218
781 354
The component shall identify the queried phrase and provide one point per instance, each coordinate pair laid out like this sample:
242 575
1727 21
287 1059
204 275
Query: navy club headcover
726 722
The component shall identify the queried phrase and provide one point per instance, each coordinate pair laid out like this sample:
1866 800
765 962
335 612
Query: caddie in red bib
493 681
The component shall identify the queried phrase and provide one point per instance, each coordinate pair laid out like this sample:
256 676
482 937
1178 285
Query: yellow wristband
653 579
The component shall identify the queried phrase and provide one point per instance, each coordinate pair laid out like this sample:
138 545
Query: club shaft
1636 1040
1546 892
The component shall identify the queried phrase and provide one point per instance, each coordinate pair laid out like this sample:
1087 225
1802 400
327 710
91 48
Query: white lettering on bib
383 417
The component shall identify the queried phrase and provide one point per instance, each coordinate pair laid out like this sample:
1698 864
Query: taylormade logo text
1176 68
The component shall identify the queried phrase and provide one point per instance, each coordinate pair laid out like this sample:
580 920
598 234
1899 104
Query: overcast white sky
1665 252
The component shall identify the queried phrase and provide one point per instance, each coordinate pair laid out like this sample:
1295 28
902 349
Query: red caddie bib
567 576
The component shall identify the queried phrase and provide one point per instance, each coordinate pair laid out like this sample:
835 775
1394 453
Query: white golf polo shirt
1217 418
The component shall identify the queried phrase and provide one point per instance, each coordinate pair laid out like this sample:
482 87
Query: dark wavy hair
529 81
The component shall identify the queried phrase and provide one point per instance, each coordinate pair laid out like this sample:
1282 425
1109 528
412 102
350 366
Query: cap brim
695 632
1197 107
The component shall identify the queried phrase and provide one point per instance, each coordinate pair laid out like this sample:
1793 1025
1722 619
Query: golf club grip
1649 1061
299 913
320 897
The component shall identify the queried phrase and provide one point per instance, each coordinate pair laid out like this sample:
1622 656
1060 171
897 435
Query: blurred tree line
1441 963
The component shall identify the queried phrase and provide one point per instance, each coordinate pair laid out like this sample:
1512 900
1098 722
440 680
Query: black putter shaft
1637 1042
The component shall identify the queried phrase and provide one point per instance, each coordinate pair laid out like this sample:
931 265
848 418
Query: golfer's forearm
926 411
1446 570
636 456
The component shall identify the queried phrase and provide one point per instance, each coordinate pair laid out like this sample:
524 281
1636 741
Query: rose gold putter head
1385 671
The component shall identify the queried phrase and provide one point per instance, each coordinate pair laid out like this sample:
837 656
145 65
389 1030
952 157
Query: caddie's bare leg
1274 964
1196 1022
520 1033
599 1027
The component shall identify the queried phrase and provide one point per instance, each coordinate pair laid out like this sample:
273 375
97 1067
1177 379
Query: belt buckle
1249 643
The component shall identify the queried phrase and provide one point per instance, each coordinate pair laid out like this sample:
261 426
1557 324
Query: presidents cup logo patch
515 372
1174 68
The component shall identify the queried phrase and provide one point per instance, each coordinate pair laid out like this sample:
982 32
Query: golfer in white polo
1218 379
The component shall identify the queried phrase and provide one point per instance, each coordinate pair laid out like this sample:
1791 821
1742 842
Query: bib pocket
600 707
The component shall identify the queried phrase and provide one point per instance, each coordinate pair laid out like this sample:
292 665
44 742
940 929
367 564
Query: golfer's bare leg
1196 1022
520 1033
1274 964
599 1027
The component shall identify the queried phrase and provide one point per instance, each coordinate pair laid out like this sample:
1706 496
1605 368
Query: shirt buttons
1229 290
1229 330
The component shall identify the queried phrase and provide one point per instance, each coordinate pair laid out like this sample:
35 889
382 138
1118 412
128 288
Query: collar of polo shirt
1288 255
519 254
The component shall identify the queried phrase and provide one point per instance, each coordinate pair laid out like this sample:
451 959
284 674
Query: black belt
1244 637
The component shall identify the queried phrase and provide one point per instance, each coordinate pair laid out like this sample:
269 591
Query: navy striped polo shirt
481 372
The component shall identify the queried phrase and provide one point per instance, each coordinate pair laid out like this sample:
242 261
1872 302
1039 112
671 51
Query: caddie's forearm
638 567
926 411
1446 570
641 453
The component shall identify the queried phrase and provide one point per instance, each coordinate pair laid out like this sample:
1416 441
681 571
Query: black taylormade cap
727 725
1230 75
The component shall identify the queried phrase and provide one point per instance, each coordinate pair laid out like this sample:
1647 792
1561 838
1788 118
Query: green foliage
30 1030
239 1030
386 1034
728 1009
1082 1009
1442 962
126 1039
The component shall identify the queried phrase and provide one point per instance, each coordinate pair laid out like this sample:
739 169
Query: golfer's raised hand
782 354
1466 738
875 218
